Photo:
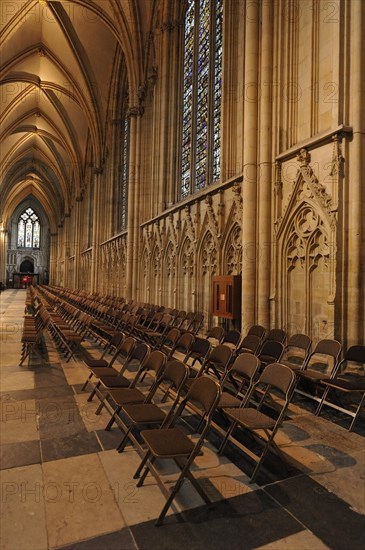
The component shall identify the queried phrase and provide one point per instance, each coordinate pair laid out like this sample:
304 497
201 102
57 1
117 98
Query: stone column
264 167
134 200
3 252
249 186
97 220
66 248
53 278
77 237
354 304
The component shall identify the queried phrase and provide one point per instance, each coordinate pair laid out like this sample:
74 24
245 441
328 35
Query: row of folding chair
66 338
252 340
109 319
313 369
132 408
320 369
295 355
33 327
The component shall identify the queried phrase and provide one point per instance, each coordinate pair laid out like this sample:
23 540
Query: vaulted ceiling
58 61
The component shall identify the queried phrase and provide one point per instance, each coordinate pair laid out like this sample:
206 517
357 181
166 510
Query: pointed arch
306 258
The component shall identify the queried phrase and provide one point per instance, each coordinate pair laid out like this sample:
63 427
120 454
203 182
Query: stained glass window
201 120
29 229
124 173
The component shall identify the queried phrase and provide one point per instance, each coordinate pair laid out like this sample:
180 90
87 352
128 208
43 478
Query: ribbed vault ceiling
58 59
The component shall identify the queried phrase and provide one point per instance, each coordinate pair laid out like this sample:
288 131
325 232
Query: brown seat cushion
123 396
228 400
251 418
144 413
168 442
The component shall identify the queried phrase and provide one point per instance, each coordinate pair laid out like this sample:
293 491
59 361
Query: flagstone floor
63 484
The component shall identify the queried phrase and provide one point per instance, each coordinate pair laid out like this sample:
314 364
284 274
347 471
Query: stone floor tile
346 482
19 422
23 409
49 375
17 381
247 521
120 540
110 439
37 393
323 513
319 429
65 447
87 410
59 417
305 540
21 453
23 519
75 374
136 504
80 501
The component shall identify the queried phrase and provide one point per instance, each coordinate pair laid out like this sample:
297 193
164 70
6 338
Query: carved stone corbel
337 158
189 224
172 229
158 234
212 220
136 110
238 201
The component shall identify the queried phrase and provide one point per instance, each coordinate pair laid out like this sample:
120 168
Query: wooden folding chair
182 346
98 366
263 427
249 344
242 374
347 381
109 379
270 352
173 443
199 351
116 397
322 364
296 351
232 339
217 362
174 375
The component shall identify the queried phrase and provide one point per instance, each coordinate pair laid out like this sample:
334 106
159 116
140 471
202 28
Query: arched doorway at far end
27 266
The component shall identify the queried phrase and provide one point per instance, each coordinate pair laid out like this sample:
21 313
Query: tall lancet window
123 171
29 229
202 92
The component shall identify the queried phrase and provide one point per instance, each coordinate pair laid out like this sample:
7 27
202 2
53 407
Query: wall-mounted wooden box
227 296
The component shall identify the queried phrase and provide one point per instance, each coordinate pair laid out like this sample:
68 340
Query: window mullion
195 98
210 130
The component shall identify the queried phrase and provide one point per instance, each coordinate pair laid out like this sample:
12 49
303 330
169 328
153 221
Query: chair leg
140 467
101 406
146 470
112 420
261 459
168 503
225 439
320 405
90 398
86 383
198 488
185 472
357 413
124 441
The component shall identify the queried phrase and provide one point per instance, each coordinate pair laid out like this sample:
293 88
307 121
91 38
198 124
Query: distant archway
27 266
